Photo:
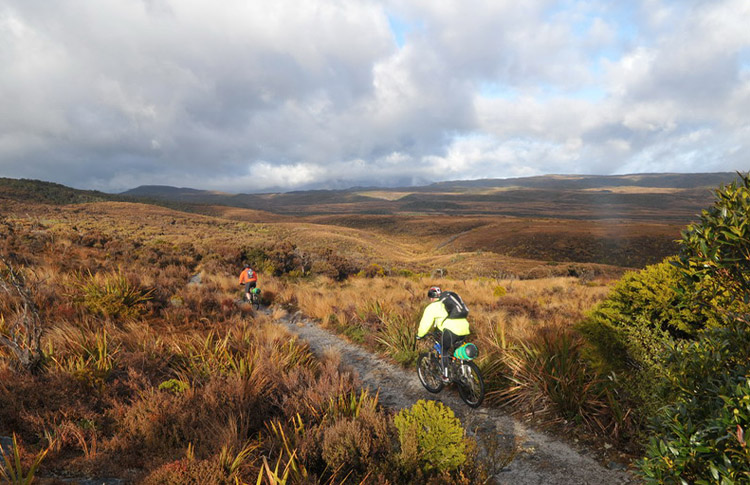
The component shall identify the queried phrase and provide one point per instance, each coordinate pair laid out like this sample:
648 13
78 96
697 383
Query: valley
149 363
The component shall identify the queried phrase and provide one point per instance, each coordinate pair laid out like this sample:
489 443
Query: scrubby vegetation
678 335
625 371
124 351
700 435
116 359
532 358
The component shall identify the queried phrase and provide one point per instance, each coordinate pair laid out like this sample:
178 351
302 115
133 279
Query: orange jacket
244 278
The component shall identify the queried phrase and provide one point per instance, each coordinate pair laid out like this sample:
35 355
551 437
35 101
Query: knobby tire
428 370
470 383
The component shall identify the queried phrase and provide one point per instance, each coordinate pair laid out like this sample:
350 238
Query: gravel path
542 459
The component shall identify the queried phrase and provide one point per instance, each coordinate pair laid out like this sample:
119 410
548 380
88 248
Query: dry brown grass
531 354
101 393
179 385
524 303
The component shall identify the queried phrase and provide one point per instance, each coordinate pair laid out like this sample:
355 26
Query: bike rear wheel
470 384
255 300
428 370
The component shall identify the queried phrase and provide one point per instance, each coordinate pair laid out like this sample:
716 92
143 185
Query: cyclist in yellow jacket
453 330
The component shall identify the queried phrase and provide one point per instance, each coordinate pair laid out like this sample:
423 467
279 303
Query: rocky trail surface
540 459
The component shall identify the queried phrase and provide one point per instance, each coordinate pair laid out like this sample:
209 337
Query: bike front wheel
470 384
428 370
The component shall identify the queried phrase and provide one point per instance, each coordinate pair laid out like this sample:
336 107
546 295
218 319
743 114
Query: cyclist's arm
428 318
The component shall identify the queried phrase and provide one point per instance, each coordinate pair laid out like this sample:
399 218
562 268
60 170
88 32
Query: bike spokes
428 369
470 384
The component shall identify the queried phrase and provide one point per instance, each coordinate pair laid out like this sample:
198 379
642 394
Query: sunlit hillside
417 245
148 363
126 350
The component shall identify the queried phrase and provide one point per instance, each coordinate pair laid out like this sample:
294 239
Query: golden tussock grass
514 322
144 365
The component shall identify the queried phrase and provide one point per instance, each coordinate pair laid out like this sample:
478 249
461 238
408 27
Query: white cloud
106 94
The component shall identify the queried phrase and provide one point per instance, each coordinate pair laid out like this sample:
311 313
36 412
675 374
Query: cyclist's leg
247 289
447 342
254 297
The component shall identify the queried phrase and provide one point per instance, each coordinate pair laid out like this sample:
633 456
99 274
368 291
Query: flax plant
350 404
111 294
397 335
214 355
287 437
231 462
12 471
549 378
92 359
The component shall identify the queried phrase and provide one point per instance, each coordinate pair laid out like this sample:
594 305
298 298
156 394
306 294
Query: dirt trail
542 460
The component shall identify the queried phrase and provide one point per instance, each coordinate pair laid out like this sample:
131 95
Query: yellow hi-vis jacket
436 315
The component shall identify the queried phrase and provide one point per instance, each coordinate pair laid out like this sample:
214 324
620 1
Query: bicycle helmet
433 292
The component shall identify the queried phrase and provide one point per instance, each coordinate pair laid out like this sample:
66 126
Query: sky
261 96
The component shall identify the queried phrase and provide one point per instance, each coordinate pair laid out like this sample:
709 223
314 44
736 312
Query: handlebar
434 334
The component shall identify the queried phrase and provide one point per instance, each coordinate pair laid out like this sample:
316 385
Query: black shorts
248 285
449 341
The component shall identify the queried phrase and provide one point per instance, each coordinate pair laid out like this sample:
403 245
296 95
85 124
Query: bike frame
462 372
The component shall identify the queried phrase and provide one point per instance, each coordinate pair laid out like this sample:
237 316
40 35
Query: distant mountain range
666 197
624 220
639 196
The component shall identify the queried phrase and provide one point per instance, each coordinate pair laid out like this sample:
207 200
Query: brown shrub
188 472
516 305
358 444
307 391
161 423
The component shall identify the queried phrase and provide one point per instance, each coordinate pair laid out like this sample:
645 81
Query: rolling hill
625 221
645 197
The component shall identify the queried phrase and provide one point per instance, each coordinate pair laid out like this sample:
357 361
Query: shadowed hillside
659 197
625 221
47 192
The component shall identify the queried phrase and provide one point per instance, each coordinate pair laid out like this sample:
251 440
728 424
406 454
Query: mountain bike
461 371
254 297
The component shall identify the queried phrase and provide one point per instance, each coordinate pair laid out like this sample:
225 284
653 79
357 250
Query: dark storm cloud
252 96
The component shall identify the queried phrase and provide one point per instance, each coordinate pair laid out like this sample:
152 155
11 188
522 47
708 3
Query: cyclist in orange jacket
249 278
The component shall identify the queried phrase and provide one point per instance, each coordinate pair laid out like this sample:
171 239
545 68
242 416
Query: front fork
443 368
446 368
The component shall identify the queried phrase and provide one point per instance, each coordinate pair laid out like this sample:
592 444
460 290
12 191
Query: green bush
652 296
715 251
701 437
175 386
406 273
372 270
431 437
256 258
643 314
678 297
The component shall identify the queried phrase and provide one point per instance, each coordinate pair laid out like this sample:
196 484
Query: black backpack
454 305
